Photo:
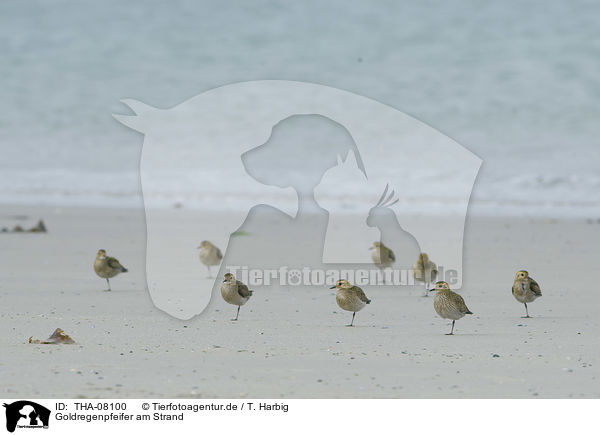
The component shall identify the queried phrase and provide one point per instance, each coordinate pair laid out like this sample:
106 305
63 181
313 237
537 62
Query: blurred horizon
514 82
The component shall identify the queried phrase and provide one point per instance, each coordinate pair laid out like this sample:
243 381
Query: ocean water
515 82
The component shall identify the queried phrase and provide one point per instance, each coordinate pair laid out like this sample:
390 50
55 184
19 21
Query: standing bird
210 255
350 297
107 267
424 270
383 217
235 292
382 256
525 289
449 305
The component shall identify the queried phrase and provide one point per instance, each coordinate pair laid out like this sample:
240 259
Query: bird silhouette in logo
30 412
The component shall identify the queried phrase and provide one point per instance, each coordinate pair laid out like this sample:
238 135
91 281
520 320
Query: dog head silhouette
30 410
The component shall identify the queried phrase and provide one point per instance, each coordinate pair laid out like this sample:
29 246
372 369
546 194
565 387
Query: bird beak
431 290
371 248
331 288
224 280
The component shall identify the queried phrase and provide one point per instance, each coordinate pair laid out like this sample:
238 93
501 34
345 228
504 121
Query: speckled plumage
209 255
382 256
350 297
424 270
525 289
107 267
235 292
448 304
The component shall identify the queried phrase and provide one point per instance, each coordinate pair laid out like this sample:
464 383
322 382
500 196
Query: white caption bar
260 416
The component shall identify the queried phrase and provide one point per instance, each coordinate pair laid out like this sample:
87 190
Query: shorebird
210 255
424 270
382 256
235 292
39 228
449 305
525 289
107 267
350 297
384 218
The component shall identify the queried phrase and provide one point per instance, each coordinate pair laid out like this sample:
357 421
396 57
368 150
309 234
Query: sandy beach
294 344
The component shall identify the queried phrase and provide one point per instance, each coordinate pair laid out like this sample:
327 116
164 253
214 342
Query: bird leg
237 314
527 316
108 289
209 273
352 322
426 289
452 330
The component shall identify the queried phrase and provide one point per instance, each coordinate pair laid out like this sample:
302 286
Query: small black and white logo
24 414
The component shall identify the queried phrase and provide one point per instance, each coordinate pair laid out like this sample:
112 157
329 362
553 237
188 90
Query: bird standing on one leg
350 298
424 270
235 292
209 255
449 305
525 289
107 267
382 256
